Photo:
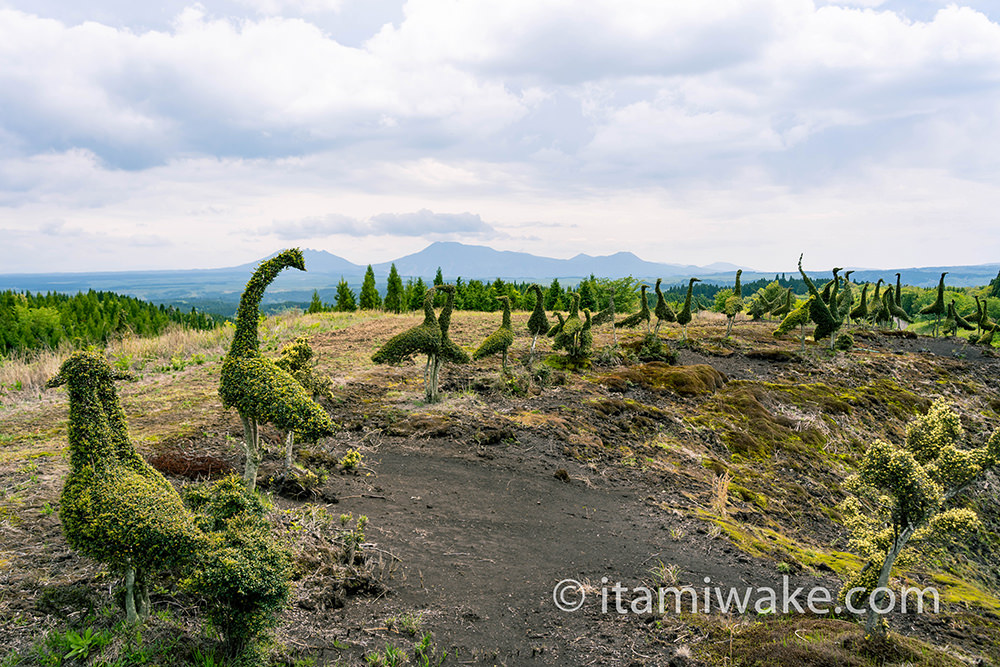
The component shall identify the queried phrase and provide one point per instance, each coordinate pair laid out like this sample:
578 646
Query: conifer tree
994 290
554 295
906 493
316 305
538 324
370 299
684 316
938 308
439 297
417 292
394 294
345 297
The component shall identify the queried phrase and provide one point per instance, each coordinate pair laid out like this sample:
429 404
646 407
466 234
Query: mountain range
218 290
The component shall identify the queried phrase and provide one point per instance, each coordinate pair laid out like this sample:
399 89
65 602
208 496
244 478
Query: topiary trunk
251 445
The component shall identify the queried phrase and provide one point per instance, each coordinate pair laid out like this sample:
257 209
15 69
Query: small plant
844 342
410 623
352 460
664 574
785 568
390 656
82 645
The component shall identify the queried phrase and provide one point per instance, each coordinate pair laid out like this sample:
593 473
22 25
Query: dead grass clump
190 464
720 494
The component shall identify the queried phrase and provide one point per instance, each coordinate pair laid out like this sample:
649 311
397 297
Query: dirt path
483 543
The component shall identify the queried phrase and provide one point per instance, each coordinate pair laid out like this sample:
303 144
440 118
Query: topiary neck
429 307
245 340
506 314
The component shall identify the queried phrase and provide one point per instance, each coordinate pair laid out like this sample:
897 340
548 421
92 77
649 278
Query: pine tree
994 286
394 292
315 306
587 298
370 299
439 297
345 297
416 292
554 295
538 324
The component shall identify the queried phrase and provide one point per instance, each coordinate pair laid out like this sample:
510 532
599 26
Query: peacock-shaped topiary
785 305
637 318
825 317
860 311
257 387
114 507
684 316
938 309
663 312
797 317
538 324
501 339
425 338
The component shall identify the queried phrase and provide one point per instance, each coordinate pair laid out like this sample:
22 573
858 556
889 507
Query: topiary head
290 258
86 370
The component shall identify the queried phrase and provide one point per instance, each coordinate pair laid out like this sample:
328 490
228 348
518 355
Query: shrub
844 342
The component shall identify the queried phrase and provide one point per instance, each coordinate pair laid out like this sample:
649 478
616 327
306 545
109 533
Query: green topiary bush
243 573
257 387
114 507
844 342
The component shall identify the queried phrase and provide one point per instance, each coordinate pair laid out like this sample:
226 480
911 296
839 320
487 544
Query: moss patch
661 377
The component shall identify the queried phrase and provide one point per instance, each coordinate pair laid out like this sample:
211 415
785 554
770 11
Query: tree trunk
251 444
873 624
729 325
802 337
131 617
531 355
431 394
289 446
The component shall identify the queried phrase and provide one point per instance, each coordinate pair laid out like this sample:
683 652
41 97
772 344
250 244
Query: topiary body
663 312
501 339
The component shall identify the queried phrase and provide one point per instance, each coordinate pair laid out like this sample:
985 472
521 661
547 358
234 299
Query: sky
176 134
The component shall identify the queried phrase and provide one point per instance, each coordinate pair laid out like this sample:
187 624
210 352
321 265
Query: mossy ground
787 428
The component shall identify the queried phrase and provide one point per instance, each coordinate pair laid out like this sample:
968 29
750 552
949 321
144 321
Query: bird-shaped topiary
983 321
637 318
955 321
450 351
684 316
734 304
538 324
822 314
114 507
586 335
501 339
846 299
900 315
831 285
898 296
296 360
878 312
557 327
987 338
425 338
938 308
253 384
860 311
570 338
798 317
663 312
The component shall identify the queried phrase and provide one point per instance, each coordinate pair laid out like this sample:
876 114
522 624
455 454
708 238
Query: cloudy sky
176 134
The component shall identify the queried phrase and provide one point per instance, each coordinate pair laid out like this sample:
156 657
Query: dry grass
720 494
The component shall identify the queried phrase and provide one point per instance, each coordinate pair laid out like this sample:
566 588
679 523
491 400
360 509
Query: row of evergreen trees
36 321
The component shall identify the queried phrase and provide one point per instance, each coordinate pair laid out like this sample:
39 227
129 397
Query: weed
665 575
352 460
720 494
410 623
390 656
